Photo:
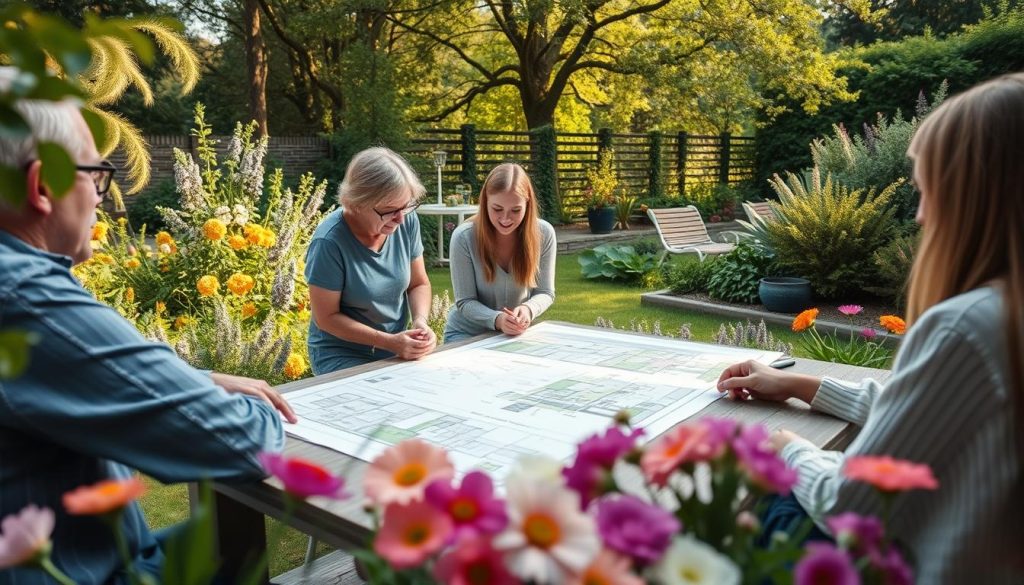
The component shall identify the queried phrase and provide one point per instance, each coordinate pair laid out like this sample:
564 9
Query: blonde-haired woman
364 266
502 260
955 400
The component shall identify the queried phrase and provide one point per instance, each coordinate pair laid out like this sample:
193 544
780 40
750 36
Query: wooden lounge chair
761 209
682 231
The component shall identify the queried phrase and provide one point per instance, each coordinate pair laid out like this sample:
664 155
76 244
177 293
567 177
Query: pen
783 363
508 312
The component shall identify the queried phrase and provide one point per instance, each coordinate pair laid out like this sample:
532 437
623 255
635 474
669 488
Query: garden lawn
578 300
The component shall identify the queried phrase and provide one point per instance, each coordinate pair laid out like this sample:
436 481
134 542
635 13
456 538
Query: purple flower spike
824 563
635 528
595 457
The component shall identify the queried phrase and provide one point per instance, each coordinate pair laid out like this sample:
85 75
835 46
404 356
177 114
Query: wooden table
345 525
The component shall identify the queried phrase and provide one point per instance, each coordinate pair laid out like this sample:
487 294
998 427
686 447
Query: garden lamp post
439 158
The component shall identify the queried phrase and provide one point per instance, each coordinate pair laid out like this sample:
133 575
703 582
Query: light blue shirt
98 400
373 286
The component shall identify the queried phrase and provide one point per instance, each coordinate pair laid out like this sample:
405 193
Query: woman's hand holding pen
512 322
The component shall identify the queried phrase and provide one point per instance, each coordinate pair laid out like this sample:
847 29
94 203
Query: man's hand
256 388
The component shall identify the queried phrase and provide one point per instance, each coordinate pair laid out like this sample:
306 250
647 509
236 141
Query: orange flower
294 366
890 475
237 242
805 320
208 285
164 238
129 295
160 307
99 231
214 229
181 322
248 310
132 263
240 284
252 233
894 324
103 497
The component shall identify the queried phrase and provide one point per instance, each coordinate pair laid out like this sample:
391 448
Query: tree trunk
256 60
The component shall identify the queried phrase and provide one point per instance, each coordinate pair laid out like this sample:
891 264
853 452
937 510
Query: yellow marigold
104 259
268 239
894 324
132 263
160 307
248 310
164 238
295 366
129 295
240 284
253 232
99 231
208 285
805 320
237 242
214 229
182 321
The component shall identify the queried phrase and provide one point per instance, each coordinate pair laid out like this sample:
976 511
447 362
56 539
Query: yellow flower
99 231
237 242
160 307
164 238
295 366
104 259
182 321
805 320
123 221
893 323
268 239
132 263
252 233
248 310
214 229
240 284
208 285
129 295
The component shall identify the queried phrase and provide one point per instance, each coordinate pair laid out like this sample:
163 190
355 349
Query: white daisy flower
691 562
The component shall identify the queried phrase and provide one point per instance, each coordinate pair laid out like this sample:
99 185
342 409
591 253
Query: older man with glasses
97 400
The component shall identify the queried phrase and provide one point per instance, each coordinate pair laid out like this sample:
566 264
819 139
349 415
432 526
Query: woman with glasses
502 260
364 266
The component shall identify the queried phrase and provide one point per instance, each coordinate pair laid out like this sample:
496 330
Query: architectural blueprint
492 401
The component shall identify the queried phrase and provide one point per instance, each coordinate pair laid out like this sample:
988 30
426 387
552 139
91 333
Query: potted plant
599 195
785 294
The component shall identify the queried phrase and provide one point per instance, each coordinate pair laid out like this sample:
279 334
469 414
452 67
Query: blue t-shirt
372 284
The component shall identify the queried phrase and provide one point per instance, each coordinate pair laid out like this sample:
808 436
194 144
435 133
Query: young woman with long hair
502 260
955 400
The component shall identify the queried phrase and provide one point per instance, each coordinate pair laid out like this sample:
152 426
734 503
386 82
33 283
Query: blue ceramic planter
601 220
785 294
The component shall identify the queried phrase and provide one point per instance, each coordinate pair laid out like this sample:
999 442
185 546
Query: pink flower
894 570
401 473
851 310
608 567
763 466
868 333
635 528
302 478
473 562
702 441
410 533
25 536
824 563
472 507
890 475
449 226
861 532
590 473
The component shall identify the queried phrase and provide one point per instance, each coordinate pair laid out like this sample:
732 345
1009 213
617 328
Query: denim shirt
97 401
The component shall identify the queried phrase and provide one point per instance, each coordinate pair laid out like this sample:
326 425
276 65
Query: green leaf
188 559
13 185
12 125
54 88
14 352
96 126
64 43
58 170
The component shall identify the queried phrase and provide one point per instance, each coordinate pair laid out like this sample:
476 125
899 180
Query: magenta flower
635 528
302 478
868 333
472 562
824 563
590 473
851 310
763 466
894 570
864 533
472 507
449 226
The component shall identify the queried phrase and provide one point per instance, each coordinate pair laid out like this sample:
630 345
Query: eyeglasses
387 215
102 175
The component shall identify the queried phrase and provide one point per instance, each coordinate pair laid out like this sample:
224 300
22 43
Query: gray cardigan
478 302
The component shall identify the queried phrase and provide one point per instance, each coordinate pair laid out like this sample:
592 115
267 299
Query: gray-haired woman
364 266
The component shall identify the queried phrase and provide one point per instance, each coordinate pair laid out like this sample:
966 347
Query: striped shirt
98 401
946 405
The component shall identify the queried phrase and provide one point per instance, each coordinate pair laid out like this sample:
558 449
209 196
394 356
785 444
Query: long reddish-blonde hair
969 158
504 178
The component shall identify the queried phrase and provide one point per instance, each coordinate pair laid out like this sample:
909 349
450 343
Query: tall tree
256 61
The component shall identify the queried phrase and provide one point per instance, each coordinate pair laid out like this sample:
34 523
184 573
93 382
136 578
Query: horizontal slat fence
681 159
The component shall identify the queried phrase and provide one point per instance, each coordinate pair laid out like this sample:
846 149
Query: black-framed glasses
387 215
102 175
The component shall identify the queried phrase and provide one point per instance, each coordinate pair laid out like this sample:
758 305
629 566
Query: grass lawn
578 300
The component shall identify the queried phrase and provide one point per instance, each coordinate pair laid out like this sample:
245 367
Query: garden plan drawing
492 401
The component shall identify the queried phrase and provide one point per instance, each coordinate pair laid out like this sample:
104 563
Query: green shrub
828 233
735 277
620 263
714 202
648 246
142 208
892 263
687 276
